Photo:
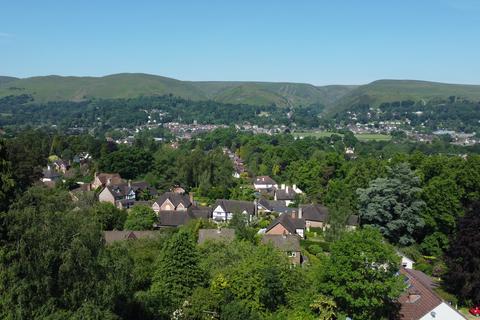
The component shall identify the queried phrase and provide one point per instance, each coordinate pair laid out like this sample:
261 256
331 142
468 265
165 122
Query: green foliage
176 274
140 218
6 181
360 274
108 216
128 162
243 231
463 276
392 204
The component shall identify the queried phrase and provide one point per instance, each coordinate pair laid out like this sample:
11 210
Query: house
269 206
420 302
102 179
50 175
125 195
286 194
220 234
353 222
116 235
406 262
172 218
315 215
61 166
173 201
287 224
288 243
264 183
224 209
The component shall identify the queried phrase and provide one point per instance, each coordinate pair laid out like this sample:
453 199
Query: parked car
475 311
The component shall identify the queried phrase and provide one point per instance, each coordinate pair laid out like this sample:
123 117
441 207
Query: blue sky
318 42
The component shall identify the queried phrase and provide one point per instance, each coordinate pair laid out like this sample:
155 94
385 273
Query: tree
242 230
109 216
393 204
176 274
6 181
360 274
140 218
462 258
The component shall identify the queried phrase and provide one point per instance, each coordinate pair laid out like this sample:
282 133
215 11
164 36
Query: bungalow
224 209
173 201
264 183
287 224
420 302
102 179
288 243
220 234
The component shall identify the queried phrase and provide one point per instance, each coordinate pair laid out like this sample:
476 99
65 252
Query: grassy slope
4 80
394 90
131 85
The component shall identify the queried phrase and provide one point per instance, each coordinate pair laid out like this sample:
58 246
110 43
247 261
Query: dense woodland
421 198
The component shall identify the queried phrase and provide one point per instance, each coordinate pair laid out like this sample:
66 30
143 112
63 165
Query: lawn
361 137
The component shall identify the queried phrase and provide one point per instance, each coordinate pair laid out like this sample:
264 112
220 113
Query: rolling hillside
395 90
128 85
283 94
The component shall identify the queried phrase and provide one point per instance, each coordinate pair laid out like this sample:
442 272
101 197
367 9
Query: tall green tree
360 275
393 204
463 258
6 180
176 274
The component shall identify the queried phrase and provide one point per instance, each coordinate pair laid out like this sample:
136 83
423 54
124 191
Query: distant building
219 234
115 235
263 183
224 209
287 243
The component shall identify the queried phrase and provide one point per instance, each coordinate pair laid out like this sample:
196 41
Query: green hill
130 85
395 90
127 85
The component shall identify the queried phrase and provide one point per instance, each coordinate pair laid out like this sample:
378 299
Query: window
291 254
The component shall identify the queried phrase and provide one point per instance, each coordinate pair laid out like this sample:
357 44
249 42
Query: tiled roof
264 180
114 178
123 189
314 212
115 235
289 242
285 194
353 220
418 299
289 223
178 218
223 234
236 206
175 199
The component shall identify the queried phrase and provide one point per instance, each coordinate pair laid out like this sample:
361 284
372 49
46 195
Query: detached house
173 201
176 209
125 195
286 194
264 183
102 179
287 224
288 243
420 302
224 209
315 215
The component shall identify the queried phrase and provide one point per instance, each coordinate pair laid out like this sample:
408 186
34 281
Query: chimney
293 214
283 185
109 181
294 187
49 168
300 213
287 189
129 183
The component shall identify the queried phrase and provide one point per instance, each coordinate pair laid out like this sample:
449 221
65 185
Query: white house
224 209
264 183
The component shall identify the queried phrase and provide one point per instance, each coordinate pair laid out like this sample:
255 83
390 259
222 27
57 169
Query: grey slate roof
276 206
285 194
122 190
353 220
236 206
289 242
314 212
223 234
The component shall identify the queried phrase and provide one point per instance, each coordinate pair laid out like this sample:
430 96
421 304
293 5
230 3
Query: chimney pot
300 213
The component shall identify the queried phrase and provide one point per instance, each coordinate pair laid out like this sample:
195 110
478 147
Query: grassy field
361 137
